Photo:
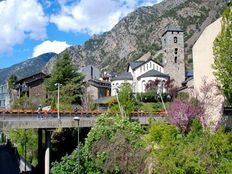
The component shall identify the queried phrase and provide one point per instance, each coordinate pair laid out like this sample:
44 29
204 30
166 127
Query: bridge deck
50 120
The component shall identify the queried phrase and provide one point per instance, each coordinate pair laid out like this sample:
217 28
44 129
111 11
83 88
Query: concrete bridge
48 121
65 120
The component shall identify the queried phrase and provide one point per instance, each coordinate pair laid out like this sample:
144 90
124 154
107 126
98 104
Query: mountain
26 68
140 33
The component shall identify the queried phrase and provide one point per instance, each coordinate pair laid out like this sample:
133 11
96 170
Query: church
139 73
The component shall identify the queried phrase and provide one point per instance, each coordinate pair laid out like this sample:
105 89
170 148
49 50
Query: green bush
114 145
151 96
198 152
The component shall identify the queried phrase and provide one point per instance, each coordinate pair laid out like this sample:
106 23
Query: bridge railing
30 114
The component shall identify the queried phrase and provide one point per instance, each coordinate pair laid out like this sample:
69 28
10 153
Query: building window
176 50
140 69
153 66
150 65
147 66
175 59
175 39
143 67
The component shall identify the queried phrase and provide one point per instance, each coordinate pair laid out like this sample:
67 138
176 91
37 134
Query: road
8 162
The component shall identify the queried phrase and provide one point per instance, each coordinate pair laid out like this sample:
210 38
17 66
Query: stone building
95 87
32 87
139 73
173 50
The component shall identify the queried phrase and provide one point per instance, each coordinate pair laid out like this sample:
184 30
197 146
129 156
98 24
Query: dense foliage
114 145
223 55
25 139
198 152
11 81
126 101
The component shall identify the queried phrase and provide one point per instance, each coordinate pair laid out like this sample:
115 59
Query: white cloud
21 19
94 16
50 46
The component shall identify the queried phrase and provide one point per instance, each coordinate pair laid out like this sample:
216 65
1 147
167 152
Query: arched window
175 60
176 50
175 39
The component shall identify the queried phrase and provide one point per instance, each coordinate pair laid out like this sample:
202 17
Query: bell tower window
175 39
175 59
176 50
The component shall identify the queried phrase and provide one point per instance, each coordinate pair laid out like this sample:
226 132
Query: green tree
11 86
65 73
11 81
223 55
25 139
126 99
113 145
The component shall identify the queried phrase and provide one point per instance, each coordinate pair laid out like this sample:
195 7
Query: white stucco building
203 60
138 74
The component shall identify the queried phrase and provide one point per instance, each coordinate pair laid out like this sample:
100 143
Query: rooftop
123 76
172 27
153 73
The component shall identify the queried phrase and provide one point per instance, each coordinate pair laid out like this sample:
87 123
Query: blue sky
33 27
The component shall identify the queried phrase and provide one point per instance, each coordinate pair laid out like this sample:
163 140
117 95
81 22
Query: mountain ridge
26 68
140 32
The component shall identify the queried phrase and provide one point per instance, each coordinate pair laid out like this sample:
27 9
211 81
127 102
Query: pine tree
65 73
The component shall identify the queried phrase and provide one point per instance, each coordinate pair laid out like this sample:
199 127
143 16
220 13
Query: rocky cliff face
140 32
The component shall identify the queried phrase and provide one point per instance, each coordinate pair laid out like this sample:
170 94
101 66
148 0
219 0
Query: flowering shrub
181 112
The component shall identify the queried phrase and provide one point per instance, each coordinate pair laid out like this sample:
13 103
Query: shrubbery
116 145
151 96
198 151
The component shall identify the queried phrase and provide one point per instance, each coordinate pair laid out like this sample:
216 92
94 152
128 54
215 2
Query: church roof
153 73
123 76
135 64
171 28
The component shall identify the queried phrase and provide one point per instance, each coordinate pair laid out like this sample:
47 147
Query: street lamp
119 105
58 99
78 146
159 92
